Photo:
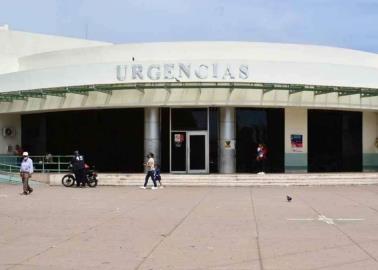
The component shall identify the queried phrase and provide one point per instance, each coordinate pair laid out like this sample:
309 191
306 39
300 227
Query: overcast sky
342 23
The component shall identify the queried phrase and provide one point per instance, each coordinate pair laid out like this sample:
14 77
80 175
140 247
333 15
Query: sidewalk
331 227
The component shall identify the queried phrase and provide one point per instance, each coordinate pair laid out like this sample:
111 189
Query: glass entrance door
178 152
189 152
197 152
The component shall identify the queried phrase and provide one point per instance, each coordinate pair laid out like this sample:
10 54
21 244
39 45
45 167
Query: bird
177 80
288 198
133 59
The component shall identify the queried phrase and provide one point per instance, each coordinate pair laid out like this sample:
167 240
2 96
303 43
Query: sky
340 23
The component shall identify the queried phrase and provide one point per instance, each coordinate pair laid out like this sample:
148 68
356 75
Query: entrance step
117 179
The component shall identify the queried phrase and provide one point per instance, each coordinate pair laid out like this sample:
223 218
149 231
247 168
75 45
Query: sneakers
260 173
146 188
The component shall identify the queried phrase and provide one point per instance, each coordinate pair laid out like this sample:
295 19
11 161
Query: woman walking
150 165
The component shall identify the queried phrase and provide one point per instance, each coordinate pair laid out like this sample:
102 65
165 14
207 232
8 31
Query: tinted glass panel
178 151
112 140
197 152
189 119
254 126
214 135
335 141
165 139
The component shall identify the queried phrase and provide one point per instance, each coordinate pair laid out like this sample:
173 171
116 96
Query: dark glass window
112 140
165 140
33 134
214 136
189 119
197 152
178 140
335 141
254 126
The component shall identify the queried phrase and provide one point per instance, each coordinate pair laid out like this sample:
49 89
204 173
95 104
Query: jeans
148 175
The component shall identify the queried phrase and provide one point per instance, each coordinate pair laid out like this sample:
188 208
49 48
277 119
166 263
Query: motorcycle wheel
68 180
92 182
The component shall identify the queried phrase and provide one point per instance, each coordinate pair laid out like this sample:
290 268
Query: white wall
13 121
15 44
369 132
295 123
8 63
203 51
22 43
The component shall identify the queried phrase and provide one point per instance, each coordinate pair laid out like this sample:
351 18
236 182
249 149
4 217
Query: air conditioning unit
9 132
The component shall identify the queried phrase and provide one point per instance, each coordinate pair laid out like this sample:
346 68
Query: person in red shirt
261 157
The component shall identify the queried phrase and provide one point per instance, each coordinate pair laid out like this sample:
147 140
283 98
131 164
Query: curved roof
252 64
267 63
196 51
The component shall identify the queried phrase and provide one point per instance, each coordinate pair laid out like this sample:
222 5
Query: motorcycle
69 180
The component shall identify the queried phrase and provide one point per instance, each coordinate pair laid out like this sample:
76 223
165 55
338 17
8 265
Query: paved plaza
334 227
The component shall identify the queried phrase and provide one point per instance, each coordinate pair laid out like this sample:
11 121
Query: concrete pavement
333 227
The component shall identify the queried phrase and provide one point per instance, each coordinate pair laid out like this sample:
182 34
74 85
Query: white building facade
199 106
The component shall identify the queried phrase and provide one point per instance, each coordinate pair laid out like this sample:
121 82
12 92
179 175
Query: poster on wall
297 142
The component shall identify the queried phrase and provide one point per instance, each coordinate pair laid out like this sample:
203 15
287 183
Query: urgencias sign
182 71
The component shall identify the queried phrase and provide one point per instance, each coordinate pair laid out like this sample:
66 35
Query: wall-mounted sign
229 144
297 142
182 71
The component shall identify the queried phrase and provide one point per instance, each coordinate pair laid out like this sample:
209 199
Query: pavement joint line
369 190
216 266
75 235
340 230
314 198
362 204
340 264
172 230
309 251
257 229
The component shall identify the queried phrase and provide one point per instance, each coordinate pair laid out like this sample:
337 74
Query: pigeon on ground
288 198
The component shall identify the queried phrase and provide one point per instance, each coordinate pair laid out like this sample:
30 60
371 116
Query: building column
296 122
152 132
9 140
369 141
227 152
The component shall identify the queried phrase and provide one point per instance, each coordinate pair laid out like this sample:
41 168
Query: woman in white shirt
150 171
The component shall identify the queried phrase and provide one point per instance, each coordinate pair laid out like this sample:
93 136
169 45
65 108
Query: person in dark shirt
157 175
78 168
